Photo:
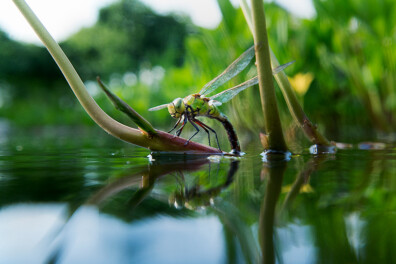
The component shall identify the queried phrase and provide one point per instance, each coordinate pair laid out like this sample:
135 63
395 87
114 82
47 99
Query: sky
63 18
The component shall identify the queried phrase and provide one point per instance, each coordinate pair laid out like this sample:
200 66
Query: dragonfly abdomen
232 136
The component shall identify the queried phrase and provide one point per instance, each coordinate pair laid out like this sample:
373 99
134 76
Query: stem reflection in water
144 181
266 211
274 175
196 197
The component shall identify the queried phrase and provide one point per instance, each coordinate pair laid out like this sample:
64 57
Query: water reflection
146 176
274 173
270 218
143 182
120 208
184 196
195 198
302 179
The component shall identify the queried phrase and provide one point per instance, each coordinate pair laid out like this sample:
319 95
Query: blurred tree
25 65
127 37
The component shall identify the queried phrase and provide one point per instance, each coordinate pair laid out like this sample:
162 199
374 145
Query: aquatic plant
147 136
289 95
153 139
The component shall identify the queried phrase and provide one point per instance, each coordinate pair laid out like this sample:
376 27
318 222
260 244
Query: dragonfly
187 109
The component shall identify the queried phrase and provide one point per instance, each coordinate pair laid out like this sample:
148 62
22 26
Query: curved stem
160 141
94 111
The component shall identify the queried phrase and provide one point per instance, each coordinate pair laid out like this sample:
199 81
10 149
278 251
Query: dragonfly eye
178 105
176 108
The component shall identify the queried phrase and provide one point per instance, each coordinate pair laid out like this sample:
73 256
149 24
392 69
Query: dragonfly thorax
197 105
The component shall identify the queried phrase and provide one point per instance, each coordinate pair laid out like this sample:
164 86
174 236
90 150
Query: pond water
72 195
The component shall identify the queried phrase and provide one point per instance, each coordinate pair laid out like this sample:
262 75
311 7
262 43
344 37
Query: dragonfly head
176 108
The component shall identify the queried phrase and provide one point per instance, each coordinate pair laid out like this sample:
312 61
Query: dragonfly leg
178 132
204 127
196 132
208 127
177 123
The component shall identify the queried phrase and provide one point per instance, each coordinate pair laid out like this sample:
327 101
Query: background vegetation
344 73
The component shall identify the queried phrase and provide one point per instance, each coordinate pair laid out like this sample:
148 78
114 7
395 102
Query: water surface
74 195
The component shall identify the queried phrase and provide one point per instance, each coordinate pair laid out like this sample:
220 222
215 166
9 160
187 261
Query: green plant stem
368 96
160 142
274 131
119 104
294 106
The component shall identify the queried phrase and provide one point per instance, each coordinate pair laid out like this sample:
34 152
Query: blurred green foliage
128 36
347 49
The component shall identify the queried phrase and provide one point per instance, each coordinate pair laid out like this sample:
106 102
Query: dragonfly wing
158 107
281 67
236 67
216 103
228 94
